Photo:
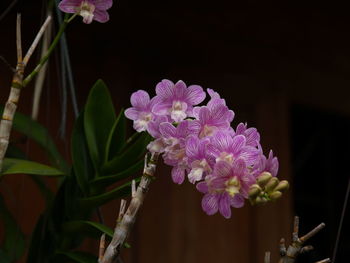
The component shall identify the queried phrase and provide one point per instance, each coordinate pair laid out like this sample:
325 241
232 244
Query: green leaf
101 199
110 179
14 244
99 118
18 166
78 256
14 152
134 150
82 164
38 249
40 135
89 228
117 137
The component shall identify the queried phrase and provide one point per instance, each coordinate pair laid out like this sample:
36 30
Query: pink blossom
177 100
227 186
141 112
88 9
251 134
200 161
211 119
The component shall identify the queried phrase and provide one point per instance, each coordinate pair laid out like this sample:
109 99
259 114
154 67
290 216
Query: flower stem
54 43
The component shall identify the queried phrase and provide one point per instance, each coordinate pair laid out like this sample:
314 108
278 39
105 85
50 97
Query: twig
341 222
123 227
289 255
101 250
36 40
16 85
39 83
326 260
267 257
8 9
47 55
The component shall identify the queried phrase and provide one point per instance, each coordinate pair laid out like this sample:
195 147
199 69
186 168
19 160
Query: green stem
54 43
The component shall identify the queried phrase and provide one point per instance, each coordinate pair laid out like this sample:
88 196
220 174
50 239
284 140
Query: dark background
283 68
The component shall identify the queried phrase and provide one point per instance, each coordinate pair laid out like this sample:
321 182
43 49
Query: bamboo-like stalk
126 221
16 85
288 255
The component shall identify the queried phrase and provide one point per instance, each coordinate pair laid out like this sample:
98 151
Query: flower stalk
289 255
53 45
16 85
126 220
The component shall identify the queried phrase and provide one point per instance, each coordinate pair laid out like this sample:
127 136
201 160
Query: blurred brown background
283 69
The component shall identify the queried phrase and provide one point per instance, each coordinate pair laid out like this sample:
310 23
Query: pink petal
101 16
102 4
161 108
195 94
239 167
132 113
204 115
165 89
222 169
222 141
180 90
178 175
194 127
237 201
224 205
210 204
238 142
140 99
202 187
167 129
192 146
69 6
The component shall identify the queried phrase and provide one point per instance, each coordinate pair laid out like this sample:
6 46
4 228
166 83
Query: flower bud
273 182
275 195
282 186
254 191
264 178
261 200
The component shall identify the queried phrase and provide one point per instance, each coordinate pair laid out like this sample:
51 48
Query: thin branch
39 82
124 226
19 39
341 222
290 254
13 70
326 260
312 232
36 40
101 250
8 9
43 60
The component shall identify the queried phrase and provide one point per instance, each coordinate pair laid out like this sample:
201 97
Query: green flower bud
273 182
264 178
275 195
261 200
282 186
254 191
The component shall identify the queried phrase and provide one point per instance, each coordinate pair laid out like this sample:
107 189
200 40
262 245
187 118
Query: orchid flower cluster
227 165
